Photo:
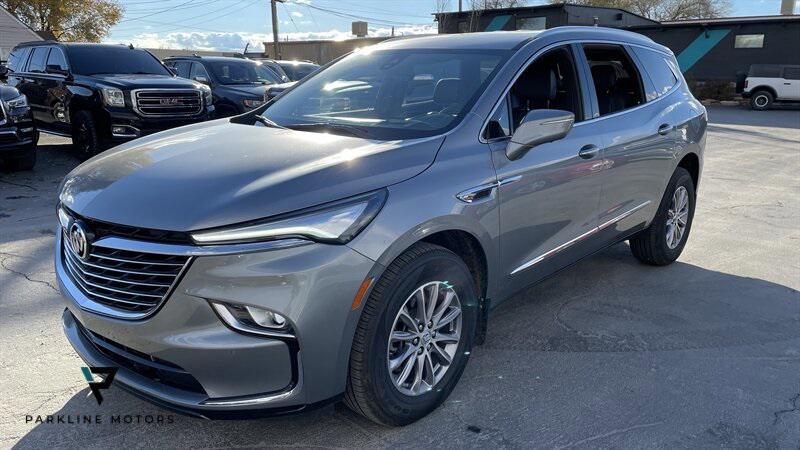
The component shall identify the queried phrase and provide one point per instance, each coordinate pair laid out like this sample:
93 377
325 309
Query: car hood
124 81
220 173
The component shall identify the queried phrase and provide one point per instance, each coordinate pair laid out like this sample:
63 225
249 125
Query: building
537 18
12 32
708 50
718 49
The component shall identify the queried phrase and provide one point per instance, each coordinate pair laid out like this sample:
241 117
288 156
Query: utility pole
459 5
275 44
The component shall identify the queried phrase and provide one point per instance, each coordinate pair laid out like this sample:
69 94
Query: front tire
85 138
663 241
761 100
414 337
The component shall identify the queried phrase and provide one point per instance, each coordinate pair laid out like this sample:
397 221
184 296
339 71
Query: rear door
638 121
34 85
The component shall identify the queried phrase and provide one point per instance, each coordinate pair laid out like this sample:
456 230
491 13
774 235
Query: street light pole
275 44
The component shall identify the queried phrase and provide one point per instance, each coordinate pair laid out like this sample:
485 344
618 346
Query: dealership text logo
97 386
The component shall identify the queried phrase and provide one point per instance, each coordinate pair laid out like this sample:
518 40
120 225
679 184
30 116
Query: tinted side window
17 59
57 59
657 66
617 82
38 59
182 67
198 71
791 73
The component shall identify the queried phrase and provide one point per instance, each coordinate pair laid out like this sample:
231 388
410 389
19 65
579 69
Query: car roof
295 63
511 40
75 45
211 58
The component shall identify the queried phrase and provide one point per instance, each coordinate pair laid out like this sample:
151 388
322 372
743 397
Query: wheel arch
764 87
691 162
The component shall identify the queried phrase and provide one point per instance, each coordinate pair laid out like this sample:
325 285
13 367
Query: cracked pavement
704 353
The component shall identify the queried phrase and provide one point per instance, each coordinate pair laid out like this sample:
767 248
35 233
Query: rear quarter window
765 71
657 67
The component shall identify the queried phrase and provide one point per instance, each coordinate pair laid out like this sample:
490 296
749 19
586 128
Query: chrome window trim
530 263
539 53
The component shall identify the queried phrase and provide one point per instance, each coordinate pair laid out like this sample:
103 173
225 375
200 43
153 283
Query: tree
662 10
68 20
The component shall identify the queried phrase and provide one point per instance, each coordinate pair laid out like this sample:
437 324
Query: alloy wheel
677 217
424 338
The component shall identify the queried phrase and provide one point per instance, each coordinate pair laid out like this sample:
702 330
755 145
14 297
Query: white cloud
237 41
297 14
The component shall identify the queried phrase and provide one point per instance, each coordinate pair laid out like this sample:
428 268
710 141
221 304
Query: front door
548 198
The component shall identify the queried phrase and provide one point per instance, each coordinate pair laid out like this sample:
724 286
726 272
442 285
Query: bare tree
664 9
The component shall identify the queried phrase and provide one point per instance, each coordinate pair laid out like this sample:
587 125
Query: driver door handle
589 151
664 129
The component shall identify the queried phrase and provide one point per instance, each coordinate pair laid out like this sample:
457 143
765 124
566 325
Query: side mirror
3 72
538 127
55 69
201 79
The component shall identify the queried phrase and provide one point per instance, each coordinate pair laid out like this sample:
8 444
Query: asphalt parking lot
704 353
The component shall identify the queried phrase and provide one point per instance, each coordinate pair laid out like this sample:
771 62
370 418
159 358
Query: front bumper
17 139
135 126
185 358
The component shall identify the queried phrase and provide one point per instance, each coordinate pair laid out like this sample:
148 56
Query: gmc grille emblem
168 101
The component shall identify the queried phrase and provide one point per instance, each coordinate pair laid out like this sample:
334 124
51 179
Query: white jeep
768 83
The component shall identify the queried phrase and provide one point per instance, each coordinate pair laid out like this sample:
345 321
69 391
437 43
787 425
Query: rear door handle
589 151
664 129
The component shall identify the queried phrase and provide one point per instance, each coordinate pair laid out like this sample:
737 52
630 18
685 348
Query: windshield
94 60
298 71
242 72
390 94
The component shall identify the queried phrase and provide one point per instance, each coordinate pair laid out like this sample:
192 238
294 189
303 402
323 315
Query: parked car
18 135
275 67
347 242
297 70
103 94
769 83
237 84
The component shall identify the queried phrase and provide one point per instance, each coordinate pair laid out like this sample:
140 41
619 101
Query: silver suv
349 239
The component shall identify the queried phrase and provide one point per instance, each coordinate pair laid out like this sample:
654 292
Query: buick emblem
78 240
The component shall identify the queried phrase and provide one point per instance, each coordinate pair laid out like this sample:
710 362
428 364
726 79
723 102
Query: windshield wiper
267 122
333 127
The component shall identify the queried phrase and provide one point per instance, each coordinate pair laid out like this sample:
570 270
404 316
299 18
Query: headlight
337 223
208 97
113 97
17 102
253 102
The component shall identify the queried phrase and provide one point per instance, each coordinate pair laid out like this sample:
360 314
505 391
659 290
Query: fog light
251 319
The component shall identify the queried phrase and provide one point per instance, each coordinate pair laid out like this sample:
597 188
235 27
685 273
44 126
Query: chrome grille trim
147 102
124 284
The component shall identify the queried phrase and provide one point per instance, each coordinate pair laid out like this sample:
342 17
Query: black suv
103 94
18 136
238 84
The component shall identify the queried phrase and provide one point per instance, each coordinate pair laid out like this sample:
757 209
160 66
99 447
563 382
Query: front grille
123 280
146 365
173 103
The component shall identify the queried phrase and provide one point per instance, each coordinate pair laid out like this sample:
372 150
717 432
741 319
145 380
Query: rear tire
761 100
374 389
663 241
85 138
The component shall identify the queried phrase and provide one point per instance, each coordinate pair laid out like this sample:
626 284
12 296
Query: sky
229 25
